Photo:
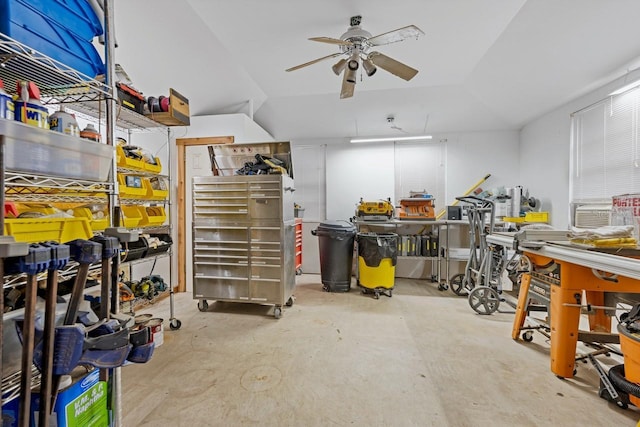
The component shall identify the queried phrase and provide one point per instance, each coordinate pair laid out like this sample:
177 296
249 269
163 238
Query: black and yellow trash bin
377 258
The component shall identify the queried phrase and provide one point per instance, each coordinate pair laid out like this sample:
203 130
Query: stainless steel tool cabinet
244 240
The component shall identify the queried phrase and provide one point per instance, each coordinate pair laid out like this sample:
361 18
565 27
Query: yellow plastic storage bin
127 162
152 216
132 186
156 189
131 216
97 224
153 168
61 230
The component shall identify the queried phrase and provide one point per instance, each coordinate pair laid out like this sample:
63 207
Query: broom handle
469 191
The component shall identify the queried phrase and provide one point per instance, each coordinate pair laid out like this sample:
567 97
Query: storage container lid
337 225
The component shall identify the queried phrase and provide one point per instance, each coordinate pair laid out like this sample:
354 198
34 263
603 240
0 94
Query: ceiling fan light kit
355 44
338 67
369 67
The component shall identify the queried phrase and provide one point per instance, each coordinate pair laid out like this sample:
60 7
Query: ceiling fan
356 46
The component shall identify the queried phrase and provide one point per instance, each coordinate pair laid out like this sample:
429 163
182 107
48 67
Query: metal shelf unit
57 82
441 263
52 180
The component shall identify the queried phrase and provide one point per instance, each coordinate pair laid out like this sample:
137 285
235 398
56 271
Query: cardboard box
178 114
626 211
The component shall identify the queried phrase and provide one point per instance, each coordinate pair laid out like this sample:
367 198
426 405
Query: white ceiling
484 64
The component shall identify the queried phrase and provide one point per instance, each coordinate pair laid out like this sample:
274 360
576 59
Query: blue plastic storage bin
30 27
76 16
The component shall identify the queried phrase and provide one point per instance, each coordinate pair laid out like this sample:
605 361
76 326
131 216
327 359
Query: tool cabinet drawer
269 186
265 234
230 208
217 288
265 290
265 249
206 249
221 269
265 271
213 233
264 206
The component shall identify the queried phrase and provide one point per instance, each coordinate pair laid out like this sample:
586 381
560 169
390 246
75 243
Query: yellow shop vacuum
377 258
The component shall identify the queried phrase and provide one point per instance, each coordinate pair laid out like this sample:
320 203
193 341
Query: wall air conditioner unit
592 216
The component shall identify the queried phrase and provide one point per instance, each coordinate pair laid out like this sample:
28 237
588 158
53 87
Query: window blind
604 149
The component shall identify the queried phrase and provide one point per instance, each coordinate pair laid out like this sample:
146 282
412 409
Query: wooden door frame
182 144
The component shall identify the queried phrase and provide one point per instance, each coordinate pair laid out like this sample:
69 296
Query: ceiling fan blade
331 40
297 67
408 32
391 65
347 87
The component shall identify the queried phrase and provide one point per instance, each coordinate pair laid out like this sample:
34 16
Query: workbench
578 270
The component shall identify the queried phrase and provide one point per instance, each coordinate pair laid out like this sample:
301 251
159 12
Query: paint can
157 334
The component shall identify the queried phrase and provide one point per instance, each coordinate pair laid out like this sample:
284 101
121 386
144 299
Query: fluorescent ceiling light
625 88
393 138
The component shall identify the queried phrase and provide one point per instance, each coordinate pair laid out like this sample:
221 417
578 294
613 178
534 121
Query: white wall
473 155
545 151
367 170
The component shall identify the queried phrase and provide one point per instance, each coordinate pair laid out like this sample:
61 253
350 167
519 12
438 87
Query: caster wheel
390 293
622 405
277 312
289 302
459 285
174 324
484 300
527 336
325 288
575 372
443 287
203 305
376 295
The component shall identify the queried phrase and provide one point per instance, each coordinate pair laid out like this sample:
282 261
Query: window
604 149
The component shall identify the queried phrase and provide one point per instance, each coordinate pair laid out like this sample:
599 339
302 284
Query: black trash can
335 239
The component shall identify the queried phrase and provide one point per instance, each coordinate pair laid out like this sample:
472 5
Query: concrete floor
421 358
